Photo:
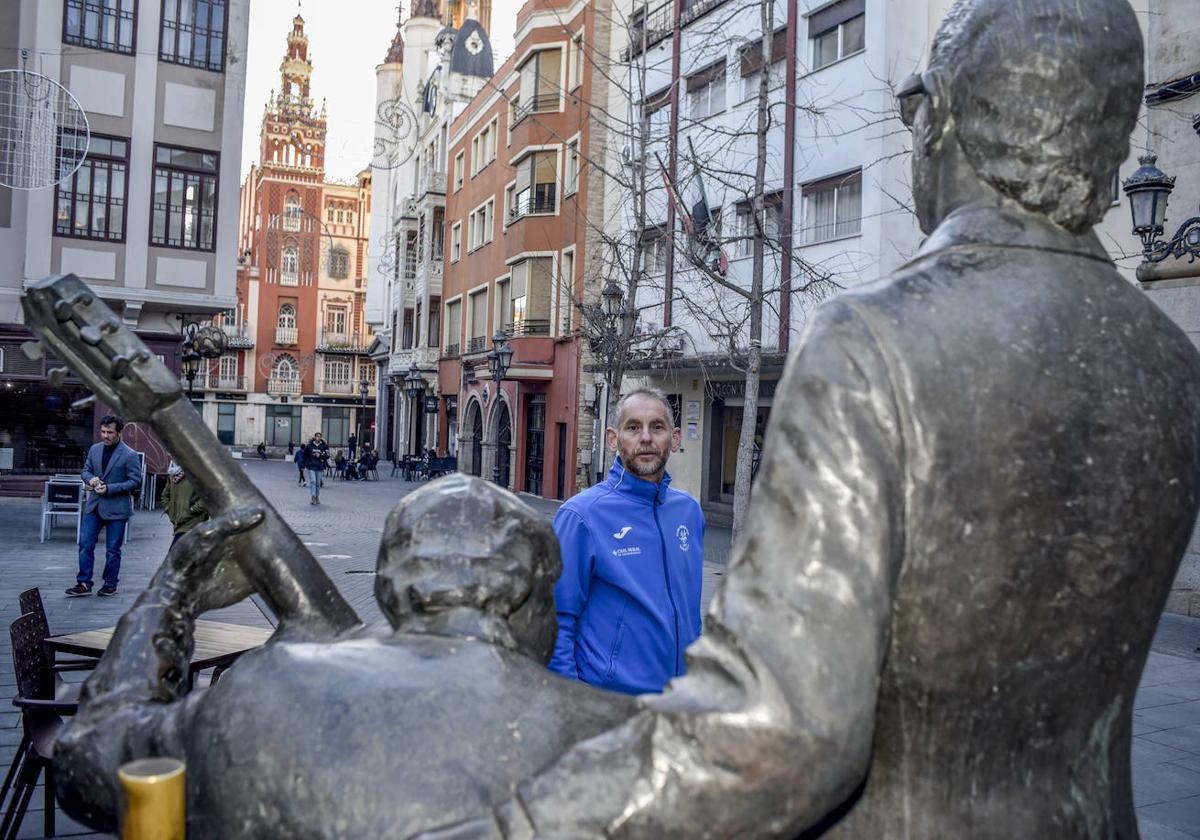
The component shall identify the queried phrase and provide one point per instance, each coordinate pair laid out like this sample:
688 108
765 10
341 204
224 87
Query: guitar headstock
91 340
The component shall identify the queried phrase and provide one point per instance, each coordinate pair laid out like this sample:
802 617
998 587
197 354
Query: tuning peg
63 311
142 356
33 350
110 325
57 375
82 299
120 364
79 405
90 335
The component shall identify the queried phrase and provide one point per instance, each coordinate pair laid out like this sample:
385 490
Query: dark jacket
183 505
628 601
315 455
122 478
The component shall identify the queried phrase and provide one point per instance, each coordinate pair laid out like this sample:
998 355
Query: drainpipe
672 154
789 179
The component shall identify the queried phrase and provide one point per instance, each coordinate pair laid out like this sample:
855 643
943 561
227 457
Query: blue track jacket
628 600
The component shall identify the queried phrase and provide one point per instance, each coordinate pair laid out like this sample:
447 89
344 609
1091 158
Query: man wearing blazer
111 473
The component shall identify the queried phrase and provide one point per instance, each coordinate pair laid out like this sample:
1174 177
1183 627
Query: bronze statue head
464 543
1034 99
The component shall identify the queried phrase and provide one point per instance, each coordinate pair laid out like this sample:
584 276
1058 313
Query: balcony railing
477 344
541 201
647 30
452 351
215 382
288 386
434 181
343 342
527 327
337 386
536 104
285 335
237 335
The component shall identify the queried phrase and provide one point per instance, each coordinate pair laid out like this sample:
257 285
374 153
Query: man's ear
676 439
610 435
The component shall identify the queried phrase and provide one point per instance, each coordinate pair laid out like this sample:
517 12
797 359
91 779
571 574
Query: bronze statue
359 735
981 475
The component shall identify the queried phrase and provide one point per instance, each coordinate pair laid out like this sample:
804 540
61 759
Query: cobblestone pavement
343 534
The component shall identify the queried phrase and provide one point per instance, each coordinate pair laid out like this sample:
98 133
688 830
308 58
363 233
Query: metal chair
30 603
41 721
61 497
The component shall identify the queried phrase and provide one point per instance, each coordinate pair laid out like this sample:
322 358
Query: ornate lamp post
498 361
1148 189
363 387
414 386
199 343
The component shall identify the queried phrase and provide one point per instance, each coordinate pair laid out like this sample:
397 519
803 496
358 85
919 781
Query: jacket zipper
662 542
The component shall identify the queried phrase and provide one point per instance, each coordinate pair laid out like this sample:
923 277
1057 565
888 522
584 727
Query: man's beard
641 469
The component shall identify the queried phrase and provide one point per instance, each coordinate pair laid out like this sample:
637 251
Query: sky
347 39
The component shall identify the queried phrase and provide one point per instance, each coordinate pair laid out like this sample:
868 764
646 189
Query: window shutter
702 79
835 15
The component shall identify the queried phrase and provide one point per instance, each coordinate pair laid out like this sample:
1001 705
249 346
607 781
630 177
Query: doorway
535 443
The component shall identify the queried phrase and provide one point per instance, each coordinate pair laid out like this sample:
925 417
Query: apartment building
834 202
149 219
298 360
517 215
440 58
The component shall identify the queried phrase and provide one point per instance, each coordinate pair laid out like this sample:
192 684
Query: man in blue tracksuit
628 601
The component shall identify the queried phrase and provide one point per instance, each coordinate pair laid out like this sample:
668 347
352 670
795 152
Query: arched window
287 315
285 367
291 212
290 266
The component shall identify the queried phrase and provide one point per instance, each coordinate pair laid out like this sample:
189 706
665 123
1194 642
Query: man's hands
98 486
202 567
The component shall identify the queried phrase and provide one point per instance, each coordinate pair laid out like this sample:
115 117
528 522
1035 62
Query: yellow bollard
153 801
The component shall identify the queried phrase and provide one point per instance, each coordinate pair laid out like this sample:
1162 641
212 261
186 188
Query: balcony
284 386
237 336
285 335
433 182
478 344
337 386
215 382
536 104
342 342
452 351
527 327
540 202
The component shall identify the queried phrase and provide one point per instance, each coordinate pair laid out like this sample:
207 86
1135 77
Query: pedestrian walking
298 458
181 503
111 474
315 455
351 445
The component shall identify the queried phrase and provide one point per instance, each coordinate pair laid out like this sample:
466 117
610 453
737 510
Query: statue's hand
202 567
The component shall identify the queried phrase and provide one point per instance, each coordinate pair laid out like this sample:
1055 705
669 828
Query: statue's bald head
463 542
1043 95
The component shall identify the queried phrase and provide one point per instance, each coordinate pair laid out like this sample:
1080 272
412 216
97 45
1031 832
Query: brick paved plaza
343 533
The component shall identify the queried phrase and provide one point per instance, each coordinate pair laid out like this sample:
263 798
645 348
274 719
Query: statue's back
1052 452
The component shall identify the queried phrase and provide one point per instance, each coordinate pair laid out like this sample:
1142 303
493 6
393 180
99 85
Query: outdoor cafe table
217 644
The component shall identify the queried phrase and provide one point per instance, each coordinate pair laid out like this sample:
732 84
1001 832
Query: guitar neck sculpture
122 371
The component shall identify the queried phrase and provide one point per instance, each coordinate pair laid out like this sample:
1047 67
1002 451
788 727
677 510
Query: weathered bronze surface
980 476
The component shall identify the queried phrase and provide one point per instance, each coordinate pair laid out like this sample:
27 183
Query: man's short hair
1044 95
645 391
112 420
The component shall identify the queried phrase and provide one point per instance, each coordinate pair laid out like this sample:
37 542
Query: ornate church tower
293 136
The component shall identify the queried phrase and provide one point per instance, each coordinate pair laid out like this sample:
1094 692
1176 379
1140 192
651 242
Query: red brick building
516 235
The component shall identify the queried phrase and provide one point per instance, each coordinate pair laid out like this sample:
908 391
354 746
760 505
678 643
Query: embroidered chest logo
620 535
683 534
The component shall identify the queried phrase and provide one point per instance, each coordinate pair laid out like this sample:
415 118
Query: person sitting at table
358 735
339 463
351 471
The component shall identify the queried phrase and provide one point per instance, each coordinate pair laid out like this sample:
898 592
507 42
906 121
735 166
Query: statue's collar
1007 227
460 622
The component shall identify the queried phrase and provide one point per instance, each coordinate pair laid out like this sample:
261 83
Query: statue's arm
129 707
772 726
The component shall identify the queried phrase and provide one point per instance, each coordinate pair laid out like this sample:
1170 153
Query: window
291 212
576 62
411 254
534 191
329 215
530 291
289 266
832 208
193 33
480 225
566 291
654 251
706 91
185 198
100 24
453 328
837 31
227 370
339 263
335 322
772 223
539 83
572 179
287 316
751 62
456 242
335 424
337 372
504 305
656 116
226 422
479 327
459 163
434 335
91 203
483 147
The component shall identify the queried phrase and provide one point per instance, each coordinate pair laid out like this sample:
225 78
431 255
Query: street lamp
199 343
414 385
1149 189
498 362
613 299
363 387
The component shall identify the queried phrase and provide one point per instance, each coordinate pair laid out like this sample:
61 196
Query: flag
703 223
680 210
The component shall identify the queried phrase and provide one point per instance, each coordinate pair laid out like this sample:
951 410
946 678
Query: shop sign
431 405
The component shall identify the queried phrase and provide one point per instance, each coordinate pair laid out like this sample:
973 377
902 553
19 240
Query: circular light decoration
44 133
395 134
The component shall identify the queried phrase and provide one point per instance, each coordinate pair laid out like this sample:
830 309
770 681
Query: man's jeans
314 482
89 533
